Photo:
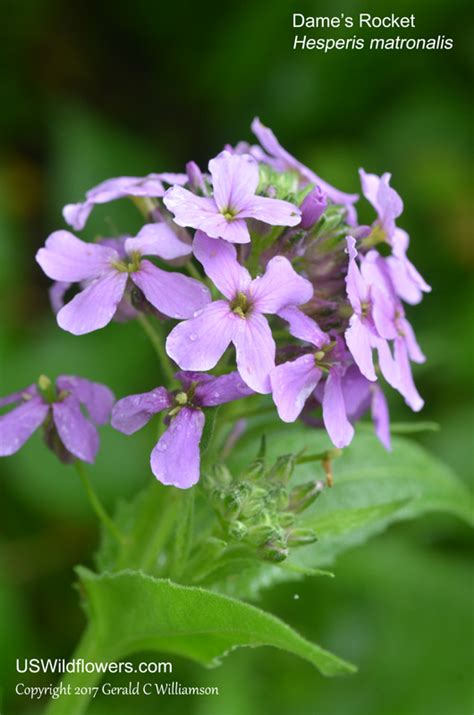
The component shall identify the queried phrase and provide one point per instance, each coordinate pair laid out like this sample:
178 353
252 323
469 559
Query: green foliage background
94 90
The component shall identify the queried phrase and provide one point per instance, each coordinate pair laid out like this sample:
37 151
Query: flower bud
274 552
196 178
283 468
313 208
237 530
302 496
300 537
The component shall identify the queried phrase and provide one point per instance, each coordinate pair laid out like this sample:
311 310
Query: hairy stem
75 693
97 506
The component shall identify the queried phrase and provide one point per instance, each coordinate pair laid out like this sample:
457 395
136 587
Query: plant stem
157 342
70 703
193 271
97 506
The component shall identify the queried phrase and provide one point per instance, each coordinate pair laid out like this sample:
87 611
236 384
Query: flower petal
380 416
67 258
76 215
199 343
77 434
383 198
134 411
187 208
255 350
335 419
358 339
97 398
234 180
232 230
272 211
388 366
219 260
303 327
406 384
19 396
95 306
222 389
158 239
176 459
173 294
292 384
357 291
279 287
19 424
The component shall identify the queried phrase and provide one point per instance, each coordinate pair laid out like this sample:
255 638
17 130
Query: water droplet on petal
193 337
162 446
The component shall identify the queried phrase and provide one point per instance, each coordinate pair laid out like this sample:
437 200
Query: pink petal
176 459
199 343
17 426
406 385
187 208
233 230
303 327
358 339
234 180
158 239
292 384
219 390
388 366
357 290
76 215
68 259
279 287
219 260
335 419
78 435
272 211
173 294
133 412
255 350
380 417
95 306
97 398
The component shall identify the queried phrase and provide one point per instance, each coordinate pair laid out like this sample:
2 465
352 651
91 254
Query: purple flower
409 284
234 182
199 343
360 395
282 160
394 326
175 458
125 310
76 215
370 324
294 381
67 431
67 259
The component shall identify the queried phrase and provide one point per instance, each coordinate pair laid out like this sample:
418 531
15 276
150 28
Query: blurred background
93 90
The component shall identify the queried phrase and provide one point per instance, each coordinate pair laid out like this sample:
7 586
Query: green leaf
130 612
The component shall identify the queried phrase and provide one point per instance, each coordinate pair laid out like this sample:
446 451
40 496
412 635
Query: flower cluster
259 271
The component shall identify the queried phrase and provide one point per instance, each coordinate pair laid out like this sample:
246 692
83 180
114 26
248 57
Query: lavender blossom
76 215
408 283
199 343
67 259
175 459
234 182
58 407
